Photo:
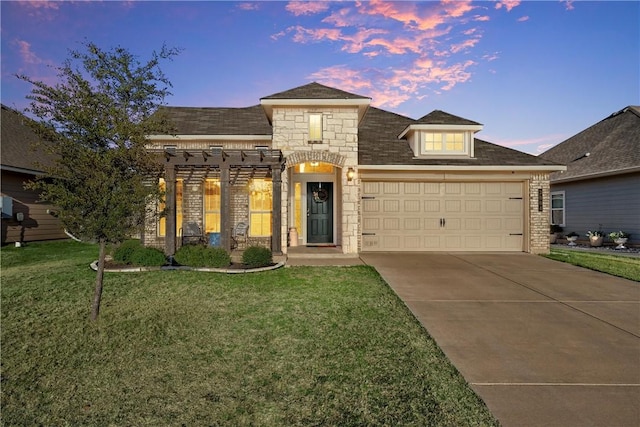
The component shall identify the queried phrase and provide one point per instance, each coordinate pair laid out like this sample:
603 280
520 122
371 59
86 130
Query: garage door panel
465 216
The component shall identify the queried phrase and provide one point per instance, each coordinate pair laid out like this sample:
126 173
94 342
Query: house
24 217
601 186
323 167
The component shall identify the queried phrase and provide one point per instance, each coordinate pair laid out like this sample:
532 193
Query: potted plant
555 229
620 238
571 238
595 238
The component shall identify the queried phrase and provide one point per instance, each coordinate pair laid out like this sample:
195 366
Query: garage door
442 216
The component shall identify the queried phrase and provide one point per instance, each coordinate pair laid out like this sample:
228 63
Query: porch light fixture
351 173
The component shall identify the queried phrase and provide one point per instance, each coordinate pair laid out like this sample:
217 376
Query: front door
319 213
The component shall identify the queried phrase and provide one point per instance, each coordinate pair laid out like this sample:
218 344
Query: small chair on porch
192 234
240 233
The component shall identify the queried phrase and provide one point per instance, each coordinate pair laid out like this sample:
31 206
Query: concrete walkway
542 342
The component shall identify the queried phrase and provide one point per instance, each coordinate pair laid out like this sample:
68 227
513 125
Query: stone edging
94 267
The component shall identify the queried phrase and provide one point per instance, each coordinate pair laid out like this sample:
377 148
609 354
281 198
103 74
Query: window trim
315 140
252 211
443 151
563 209
204 206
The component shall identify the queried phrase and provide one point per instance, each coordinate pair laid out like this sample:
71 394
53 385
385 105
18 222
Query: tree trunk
97 294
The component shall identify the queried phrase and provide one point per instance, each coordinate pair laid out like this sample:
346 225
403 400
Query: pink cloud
507 4
568 4
481 18
306 7
26 54
523 19
39 4
248 6
465 45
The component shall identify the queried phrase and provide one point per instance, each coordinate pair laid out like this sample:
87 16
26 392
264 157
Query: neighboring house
346 174
24 217
601 186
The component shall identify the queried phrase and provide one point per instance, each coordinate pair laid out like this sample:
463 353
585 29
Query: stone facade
539 205
339 147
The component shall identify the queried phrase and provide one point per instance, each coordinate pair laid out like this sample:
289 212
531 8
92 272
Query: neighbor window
212 206
162 221
557 208
260 207
444 142
315 127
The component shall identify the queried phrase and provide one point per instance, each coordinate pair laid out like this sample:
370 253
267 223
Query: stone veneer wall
539 220
339 147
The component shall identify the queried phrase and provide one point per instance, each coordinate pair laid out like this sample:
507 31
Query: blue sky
533 72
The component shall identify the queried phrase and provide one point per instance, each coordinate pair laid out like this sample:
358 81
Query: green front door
319 213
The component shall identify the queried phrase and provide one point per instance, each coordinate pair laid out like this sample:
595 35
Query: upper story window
444 143
315 127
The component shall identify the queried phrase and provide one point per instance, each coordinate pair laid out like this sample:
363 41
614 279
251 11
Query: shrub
131 252
257 256
124 252
148 257
202 256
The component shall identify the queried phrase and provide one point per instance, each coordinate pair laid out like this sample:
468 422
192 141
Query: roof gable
314 90
437 117
610 146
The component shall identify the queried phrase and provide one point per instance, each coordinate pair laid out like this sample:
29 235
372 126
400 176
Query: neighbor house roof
314 91
609 147
218 121
19 149
378 144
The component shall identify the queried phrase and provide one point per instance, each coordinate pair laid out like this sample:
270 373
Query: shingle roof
314 91
18 140
218 121
613 145
378 144
437 117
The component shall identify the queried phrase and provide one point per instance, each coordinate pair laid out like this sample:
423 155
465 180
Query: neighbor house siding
37 224
613 202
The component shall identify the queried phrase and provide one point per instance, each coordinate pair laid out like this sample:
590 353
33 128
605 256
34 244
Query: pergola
229 164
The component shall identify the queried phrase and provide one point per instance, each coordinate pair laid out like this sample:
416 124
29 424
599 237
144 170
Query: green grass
296 346
627 267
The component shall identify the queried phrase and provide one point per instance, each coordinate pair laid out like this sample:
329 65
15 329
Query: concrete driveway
542 342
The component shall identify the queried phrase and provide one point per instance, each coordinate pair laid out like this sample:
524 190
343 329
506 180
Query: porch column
170 204
225 208
276 218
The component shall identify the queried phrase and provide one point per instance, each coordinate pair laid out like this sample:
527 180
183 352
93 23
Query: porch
215 190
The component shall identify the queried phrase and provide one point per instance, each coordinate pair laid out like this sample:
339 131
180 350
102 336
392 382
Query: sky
534 73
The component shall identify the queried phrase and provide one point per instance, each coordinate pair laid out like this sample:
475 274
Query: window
212 206
315 127
557 208
162 221
313 167
260 207
444 142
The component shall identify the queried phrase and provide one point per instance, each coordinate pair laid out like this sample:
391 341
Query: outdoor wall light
351 173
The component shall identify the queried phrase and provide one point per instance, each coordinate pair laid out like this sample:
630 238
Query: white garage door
442 216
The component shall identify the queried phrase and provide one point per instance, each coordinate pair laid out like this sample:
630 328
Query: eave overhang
440 127
209 137
470 168
561 180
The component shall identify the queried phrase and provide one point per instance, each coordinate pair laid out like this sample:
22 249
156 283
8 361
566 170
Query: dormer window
444 143
441 135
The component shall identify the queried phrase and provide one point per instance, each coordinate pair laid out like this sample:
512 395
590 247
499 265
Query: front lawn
627 267
296 346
